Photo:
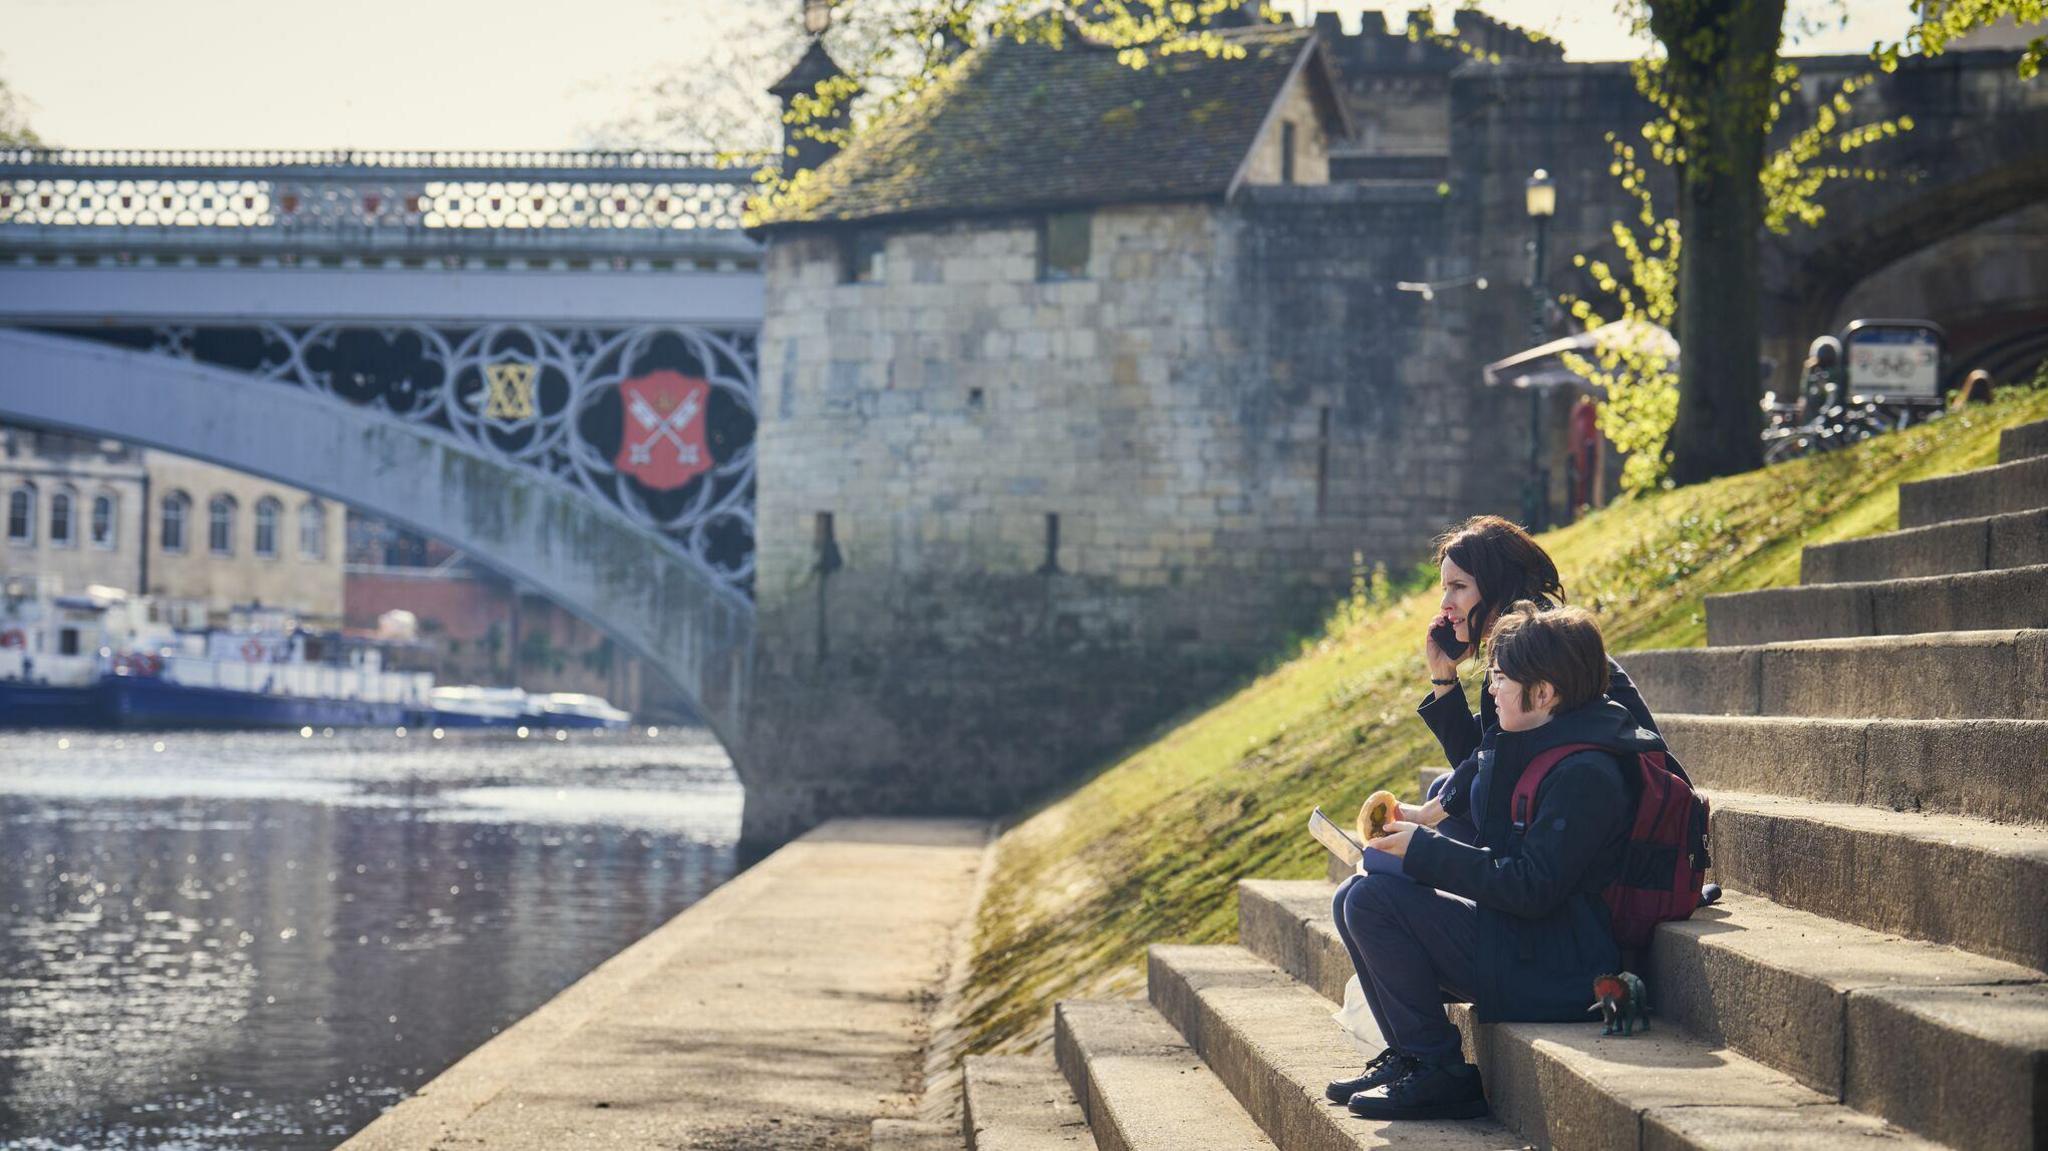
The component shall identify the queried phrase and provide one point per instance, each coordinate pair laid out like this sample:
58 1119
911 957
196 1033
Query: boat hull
143 702
47 705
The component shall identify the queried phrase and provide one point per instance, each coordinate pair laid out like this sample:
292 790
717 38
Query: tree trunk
1721 56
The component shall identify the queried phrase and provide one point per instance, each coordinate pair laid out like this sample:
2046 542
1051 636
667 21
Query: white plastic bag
1355 1017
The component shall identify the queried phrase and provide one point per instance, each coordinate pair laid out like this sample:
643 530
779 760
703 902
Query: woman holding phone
1484 565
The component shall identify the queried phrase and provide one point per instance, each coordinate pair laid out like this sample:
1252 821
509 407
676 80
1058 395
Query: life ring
13 637
251 651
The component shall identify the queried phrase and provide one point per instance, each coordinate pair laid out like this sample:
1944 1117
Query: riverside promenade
790 1008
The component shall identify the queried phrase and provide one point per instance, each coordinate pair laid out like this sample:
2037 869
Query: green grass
1149 849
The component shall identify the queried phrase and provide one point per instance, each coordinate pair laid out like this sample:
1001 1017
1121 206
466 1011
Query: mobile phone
1447 641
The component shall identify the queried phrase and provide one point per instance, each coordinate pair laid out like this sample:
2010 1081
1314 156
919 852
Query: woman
1485 565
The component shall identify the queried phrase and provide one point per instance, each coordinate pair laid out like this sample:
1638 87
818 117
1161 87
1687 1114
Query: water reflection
263 941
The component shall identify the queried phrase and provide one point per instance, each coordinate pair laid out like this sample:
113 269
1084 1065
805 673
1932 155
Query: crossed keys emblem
662 441
511 391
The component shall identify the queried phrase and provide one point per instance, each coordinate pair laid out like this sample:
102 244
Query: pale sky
482 74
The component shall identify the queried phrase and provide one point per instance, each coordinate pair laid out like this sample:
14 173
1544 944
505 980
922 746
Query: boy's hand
1395 841
1427 815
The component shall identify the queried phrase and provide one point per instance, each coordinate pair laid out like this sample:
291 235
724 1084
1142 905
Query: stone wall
1228 413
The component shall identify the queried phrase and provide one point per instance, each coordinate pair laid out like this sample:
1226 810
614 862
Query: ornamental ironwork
661 192
655 422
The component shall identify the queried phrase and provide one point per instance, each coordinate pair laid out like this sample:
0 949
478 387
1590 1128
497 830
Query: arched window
268 512
220 525
106 523
21 514
312 530
177 511
63 519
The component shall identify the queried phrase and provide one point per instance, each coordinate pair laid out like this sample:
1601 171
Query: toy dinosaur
1381 808
1623 1001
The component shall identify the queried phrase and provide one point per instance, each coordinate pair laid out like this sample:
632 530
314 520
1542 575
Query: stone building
1083 387
200 538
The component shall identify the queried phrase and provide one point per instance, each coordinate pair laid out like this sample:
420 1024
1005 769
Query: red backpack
1666 858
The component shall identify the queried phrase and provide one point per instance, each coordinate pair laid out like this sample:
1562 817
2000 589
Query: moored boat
574 710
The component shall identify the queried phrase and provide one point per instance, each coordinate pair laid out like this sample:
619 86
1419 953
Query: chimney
800 150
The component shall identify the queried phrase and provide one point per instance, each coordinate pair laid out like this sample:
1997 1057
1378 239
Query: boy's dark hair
1504 561
1560 646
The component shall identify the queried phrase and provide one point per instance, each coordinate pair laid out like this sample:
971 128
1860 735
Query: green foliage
1150 849
1945 21
1638 376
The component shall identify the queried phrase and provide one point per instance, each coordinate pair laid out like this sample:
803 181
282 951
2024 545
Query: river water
262 941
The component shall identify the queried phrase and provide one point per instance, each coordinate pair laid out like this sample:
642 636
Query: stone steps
1942 878
1989 769
1141 1086
1566 1085
1936 675
1984 543
2019 486
1020 1103
1971 601
1937 1040
913 1135
1270 1039
2023 442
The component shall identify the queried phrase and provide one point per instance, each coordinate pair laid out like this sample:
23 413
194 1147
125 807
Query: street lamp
1539 197
817 16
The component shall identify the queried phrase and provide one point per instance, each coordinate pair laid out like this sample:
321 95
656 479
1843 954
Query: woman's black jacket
1461 734
1544 932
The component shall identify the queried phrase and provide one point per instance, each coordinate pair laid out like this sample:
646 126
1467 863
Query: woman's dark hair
1505 562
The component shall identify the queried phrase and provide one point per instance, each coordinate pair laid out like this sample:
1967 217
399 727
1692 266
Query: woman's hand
1395 841
1440 665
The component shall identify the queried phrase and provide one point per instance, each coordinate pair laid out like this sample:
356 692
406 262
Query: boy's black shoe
1431 1091
1385 1068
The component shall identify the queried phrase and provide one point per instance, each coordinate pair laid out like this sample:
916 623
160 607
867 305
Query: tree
1715 90
14 127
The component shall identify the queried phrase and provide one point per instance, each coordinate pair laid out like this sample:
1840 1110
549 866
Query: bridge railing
306 191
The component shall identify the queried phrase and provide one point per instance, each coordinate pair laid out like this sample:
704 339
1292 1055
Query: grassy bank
1149 850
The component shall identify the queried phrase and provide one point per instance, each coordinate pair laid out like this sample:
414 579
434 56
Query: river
262 940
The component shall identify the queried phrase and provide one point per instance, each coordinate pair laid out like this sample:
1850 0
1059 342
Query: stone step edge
1019 1103
1280 924
1977 768
2023 442
1272 1042
1943 878
1971 539
1089 1036
1893 1027
1873 608
1566 1085
1733 680
1929 501
1701 965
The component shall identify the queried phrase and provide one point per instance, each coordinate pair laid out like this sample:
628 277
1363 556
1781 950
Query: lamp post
1539 197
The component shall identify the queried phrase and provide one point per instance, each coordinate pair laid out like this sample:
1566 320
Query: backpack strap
1523 802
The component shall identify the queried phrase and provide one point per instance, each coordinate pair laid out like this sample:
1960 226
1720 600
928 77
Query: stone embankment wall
1008 524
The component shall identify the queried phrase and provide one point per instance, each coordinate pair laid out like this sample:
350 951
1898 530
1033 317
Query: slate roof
1020 127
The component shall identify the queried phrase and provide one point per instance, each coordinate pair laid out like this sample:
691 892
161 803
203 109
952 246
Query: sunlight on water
264 940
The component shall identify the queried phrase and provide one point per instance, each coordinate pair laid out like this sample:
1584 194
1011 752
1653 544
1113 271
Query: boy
1516 925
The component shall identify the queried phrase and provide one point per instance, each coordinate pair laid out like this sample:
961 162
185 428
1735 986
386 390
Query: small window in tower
1063 246
1287 152
861 256
1051 566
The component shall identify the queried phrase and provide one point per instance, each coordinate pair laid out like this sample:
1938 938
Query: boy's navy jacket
1544 931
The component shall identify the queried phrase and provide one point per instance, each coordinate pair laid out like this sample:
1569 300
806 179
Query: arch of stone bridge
583 556
1944 178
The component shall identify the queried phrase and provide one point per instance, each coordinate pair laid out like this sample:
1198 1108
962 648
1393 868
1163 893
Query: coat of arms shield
662 441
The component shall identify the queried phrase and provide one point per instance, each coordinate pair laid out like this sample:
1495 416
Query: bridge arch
1974 160
690 628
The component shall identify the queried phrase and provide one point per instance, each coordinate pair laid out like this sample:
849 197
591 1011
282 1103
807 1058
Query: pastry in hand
1381 809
